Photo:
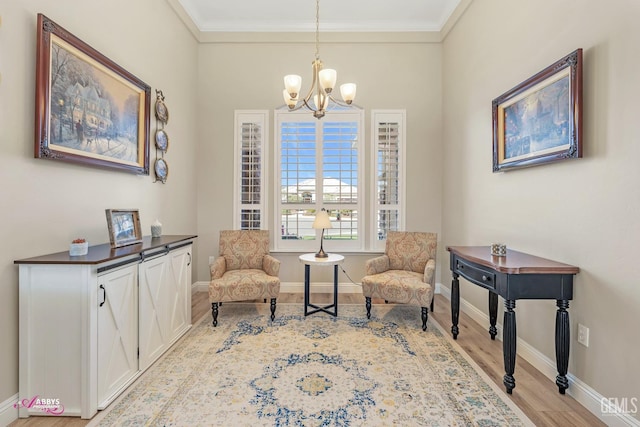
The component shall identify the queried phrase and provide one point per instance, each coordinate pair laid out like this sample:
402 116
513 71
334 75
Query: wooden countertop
513 263
102 253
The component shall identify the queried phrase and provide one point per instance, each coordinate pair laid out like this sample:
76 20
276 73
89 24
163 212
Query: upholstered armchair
405 273
244 270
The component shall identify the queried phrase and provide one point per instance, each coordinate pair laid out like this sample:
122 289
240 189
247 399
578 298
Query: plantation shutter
250 179
388 136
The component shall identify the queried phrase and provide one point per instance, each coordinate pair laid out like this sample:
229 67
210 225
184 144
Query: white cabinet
84 320
117 331
165 302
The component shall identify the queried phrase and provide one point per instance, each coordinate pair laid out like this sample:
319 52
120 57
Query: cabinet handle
104 295
486 279
189 263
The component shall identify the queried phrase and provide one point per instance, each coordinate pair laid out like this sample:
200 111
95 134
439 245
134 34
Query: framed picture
540 120
89 110
124 227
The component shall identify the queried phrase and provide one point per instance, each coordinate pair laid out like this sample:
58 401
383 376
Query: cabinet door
180 291
154 305
117 331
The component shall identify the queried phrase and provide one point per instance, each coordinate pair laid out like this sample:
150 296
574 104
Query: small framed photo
124 227
540 120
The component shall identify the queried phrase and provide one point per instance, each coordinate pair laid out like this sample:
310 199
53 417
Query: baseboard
8 411
593 401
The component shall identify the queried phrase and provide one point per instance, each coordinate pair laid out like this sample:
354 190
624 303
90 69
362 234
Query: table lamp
321 222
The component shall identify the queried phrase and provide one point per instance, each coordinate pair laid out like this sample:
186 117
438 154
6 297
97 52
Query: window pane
296 224
344 223
340 162
298 162
250 219
387 221
250 163
388 157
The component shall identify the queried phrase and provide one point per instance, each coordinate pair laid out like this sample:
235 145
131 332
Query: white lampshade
327 79
348 92
322 220
291 102
324 100
293 83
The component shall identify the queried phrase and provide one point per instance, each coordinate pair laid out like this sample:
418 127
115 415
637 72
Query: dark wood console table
515 276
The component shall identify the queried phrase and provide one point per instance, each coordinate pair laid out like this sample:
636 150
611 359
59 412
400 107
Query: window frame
378 117
262 118
312 245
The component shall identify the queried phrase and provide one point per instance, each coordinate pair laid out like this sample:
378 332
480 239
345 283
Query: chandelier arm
339 102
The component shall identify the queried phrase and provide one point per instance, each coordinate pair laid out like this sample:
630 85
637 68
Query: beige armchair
244 270
405 273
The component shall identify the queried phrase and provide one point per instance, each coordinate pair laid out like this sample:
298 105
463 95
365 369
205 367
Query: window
319 164
388 135
251 132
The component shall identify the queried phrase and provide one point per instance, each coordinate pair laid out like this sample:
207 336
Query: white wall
390 74
583 212
45 204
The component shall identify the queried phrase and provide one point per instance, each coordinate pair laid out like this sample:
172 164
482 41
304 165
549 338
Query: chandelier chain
317 29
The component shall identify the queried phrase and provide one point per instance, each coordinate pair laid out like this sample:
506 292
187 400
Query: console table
515 276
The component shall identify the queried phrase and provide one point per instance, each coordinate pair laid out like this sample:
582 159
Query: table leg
509 344
493 314
455 305
306 288
562 345
335 289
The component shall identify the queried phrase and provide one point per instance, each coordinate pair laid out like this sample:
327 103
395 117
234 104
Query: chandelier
324 79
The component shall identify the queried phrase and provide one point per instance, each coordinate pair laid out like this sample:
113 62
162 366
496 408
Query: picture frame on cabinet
124 227
540 120
89 110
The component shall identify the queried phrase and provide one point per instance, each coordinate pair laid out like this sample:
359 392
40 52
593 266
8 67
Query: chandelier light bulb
292 84
291 102
348 92
328 79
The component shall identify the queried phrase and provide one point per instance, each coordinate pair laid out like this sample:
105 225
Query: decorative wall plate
162 140
162 170
162 113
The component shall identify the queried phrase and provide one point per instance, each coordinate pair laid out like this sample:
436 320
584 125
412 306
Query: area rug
314 371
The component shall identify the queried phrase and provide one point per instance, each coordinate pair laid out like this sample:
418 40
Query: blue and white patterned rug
314 371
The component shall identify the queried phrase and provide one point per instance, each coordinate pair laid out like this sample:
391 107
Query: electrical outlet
211 259
583 335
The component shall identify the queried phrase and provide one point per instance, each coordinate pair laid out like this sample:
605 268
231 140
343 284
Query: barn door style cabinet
90 325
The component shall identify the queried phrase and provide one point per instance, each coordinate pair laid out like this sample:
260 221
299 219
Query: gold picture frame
540 120
89 110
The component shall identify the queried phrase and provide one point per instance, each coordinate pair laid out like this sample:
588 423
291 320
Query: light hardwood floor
535 394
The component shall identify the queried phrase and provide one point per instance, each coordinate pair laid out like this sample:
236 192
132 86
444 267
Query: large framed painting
540 120
89 110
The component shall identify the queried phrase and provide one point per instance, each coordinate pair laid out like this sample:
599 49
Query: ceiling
211 16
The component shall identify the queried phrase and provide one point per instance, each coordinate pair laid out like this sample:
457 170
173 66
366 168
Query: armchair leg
367 304
425 316
273 308
214 313
431 307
